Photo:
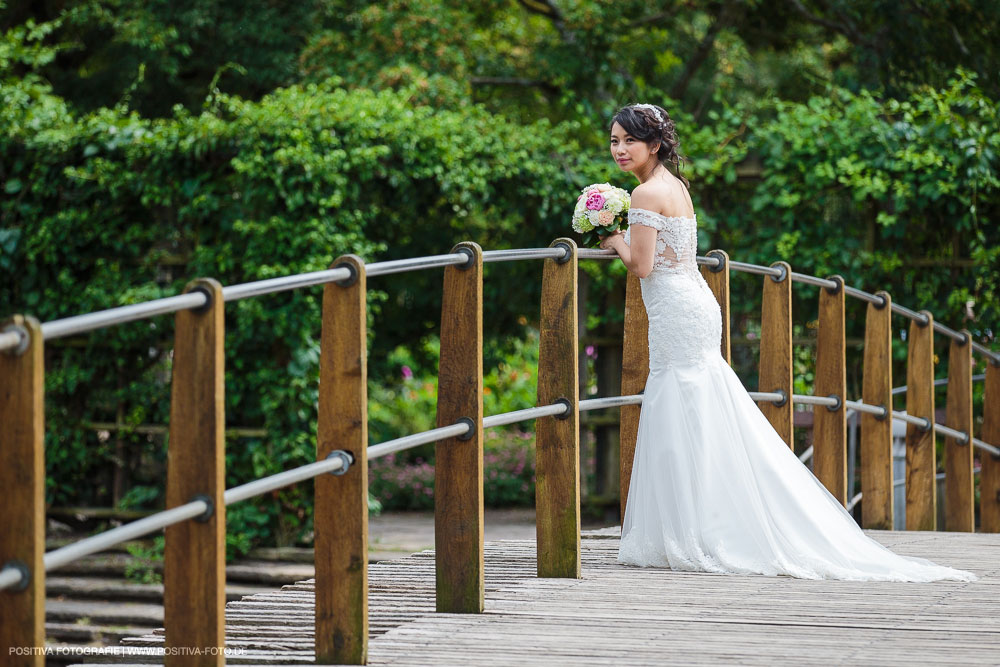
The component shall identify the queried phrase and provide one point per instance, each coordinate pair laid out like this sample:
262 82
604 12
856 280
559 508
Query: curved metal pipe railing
528 253
130 531
10 339
83 323
79 324
881 412
415 264
337 462
283 284
937 383
92 321
896 482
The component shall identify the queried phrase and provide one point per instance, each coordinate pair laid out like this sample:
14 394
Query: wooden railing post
959 498
989 475
921 461
830 424
341 508
22 478
776 350
557 439
458 470
635 370
194 575
876 432
718 281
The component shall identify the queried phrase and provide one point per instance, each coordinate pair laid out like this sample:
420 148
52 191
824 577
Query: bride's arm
637 257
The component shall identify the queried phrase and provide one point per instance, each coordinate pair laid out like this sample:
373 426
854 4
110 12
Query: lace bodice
676 239
685 321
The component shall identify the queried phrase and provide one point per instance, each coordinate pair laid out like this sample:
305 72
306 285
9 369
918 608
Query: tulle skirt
714 488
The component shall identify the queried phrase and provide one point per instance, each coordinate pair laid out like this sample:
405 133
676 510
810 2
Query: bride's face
627 151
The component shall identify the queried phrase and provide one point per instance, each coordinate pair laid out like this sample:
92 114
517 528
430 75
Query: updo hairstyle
650 123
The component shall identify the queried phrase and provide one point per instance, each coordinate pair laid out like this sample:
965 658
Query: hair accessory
656 112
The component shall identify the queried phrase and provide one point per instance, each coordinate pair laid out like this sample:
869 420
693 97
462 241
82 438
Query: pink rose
603 188
605 218
595 201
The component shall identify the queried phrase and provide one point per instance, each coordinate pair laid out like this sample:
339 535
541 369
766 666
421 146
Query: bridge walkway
617 614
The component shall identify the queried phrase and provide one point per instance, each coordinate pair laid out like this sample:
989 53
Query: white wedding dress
714 488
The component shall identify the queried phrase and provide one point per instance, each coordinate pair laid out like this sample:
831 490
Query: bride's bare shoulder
661 196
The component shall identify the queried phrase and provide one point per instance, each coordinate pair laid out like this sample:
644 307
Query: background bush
404 483
146 144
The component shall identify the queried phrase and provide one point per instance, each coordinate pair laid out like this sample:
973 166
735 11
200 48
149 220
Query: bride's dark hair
652 124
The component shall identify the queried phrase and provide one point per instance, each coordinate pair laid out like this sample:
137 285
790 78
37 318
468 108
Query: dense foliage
145 144
243 192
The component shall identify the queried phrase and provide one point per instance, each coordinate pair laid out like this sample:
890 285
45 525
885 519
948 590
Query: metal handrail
609 402
937 383
600 253
814 280
769 396
91 545
283 284
554 409
130 531
881 412
91 321
10 339
806 399
338 461
525 253
902 480
59 557
714 262
897 482
82 323
197 299
422 438
11 576
858 294
864 296
746 268
415 264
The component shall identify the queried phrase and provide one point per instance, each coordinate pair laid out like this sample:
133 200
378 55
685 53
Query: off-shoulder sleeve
640 216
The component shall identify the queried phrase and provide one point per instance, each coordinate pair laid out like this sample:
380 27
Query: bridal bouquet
601 209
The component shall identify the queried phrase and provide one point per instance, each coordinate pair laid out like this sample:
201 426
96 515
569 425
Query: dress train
714 488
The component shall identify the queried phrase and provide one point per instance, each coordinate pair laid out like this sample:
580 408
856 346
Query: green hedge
108 207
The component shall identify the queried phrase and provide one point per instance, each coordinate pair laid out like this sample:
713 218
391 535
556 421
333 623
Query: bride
714 487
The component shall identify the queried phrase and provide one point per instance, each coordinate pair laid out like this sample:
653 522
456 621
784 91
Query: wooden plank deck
618 614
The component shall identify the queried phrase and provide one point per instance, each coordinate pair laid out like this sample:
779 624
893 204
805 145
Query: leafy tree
159 53
817 133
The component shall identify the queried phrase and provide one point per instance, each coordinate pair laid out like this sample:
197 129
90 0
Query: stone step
85 634
246 571
104 613
107 588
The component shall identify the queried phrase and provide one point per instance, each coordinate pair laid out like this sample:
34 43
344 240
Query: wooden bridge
618 614
562 595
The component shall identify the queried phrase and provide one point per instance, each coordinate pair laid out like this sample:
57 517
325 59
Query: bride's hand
608 241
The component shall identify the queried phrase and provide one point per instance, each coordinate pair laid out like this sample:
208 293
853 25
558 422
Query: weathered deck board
650 616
